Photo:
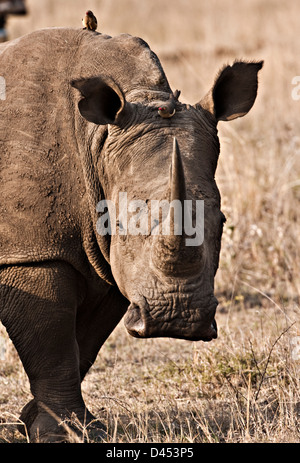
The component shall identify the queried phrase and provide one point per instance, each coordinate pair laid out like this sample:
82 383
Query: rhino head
148 160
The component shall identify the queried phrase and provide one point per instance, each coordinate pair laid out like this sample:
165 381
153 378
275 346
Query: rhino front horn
177 181
169 252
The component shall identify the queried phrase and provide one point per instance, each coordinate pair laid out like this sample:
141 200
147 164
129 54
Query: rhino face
170 284
165 262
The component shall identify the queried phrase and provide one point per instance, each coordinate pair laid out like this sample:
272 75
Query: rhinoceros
79 126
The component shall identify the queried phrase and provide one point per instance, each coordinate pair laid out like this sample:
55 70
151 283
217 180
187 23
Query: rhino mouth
142 322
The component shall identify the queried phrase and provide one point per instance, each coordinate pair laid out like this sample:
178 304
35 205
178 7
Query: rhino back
37 167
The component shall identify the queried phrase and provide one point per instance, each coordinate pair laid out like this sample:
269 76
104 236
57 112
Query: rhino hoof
41 427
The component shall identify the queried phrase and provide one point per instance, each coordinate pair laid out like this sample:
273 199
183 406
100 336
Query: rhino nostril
214 325
212 332
138 329
134 322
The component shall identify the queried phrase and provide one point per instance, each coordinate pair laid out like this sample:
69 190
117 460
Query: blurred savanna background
244 386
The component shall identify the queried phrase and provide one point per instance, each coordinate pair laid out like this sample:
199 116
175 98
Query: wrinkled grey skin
79 125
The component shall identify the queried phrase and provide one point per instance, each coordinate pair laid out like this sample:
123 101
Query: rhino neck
90 141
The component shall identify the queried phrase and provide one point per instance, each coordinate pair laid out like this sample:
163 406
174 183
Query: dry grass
243 387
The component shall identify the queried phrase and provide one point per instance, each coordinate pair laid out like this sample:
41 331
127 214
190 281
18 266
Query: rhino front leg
96 319
38 308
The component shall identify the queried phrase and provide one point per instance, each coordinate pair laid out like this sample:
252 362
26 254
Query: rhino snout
134 322
141 324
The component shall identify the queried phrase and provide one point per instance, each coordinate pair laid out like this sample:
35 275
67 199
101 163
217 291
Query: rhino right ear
103 101
234 91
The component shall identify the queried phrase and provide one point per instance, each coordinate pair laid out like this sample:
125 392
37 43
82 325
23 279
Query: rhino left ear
103 101
234 91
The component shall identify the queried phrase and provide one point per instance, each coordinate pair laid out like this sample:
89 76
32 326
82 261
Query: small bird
168 109
89 21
